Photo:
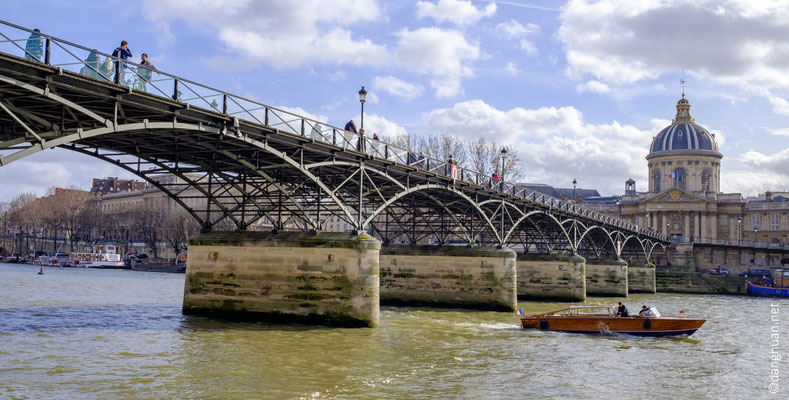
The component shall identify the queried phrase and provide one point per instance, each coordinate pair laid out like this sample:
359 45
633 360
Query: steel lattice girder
244 172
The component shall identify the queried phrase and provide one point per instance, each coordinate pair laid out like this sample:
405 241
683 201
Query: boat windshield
592 310
652 312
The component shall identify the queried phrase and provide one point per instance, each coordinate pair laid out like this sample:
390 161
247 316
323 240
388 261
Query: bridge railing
47 49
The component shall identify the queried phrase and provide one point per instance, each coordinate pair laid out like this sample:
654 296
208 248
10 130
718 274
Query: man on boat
644 312
621 311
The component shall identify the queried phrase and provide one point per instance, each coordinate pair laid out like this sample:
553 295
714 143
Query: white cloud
374 123
277 33
776 163
454 11
554 143
448 52
513 29
753 183
737 42
280 35
397 87
593 87
779 132
528 47
512 69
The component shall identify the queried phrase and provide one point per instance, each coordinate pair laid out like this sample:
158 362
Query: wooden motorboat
603 319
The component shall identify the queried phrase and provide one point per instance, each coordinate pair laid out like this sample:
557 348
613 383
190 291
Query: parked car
718 271
756 273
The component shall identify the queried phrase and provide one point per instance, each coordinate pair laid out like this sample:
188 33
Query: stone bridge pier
474 277
302 277
552 277
606 277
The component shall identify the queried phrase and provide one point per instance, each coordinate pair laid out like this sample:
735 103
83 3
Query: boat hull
661 326
758 290
158 267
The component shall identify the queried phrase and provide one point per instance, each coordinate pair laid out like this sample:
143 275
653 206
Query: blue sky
578 88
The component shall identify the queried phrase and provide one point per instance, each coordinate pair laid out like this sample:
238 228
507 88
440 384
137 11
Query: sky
577 88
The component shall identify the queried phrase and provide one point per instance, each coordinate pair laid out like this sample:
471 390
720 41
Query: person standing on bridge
349 127
34 48
144 73
123 53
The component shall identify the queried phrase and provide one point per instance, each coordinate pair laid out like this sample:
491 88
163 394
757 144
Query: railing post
266 117
175 89
224 103
48 53
302 127
386 151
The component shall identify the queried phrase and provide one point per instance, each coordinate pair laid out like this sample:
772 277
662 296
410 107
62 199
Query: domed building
684 198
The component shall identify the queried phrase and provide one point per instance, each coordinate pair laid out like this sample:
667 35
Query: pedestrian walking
122 52
34 48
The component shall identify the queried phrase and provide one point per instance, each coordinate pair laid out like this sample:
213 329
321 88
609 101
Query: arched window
705 180
656 181
679 176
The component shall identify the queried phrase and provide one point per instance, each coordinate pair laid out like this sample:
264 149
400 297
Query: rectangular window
724 220
755 221
775 222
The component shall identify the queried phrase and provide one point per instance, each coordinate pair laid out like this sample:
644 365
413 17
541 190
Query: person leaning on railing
34 48
144 72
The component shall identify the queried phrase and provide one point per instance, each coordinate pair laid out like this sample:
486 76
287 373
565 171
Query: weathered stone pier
475 277
552 277
303 277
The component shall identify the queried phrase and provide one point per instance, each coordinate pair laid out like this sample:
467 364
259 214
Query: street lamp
739 228
503 158
648 222
362 99
574 195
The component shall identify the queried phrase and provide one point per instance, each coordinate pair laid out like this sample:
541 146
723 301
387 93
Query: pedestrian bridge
238 161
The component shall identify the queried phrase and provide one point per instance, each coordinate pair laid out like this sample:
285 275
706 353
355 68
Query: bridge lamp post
575 183
648 223
362 99
503 163
739 229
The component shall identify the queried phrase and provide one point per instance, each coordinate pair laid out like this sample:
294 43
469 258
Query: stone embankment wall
552 277
688 280
449 276
606 278
306 277
641 278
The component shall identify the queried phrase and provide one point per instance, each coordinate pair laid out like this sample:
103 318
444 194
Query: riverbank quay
684 279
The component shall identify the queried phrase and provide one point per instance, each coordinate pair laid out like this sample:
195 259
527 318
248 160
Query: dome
683 134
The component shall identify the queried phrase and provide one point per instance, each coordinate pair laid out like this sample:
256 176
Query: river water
109 334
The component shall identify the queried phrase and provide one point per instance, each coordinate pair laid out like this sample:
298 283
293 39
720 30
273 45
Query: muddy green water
108 334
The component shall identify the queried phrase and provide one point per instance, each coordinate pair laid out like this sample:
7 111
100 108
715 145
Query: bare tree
179 226
23 218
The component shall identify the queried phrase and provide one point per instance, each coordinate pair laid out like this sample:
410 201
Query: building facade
684 199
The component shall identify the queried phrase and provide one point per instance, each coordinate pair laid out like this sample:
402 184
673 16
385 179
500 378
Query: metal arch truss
235 174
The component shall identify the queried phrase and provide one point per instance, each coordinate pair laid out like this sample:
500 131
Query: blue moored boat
759 290
776 284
